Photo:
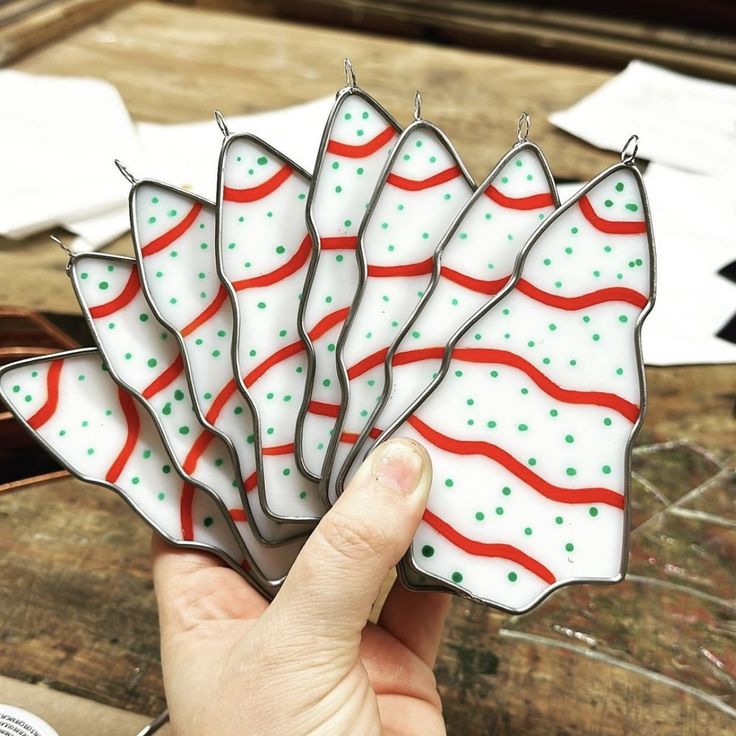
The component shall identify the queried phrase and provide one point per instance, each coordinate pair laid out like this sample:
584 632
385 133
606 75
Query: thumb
338 574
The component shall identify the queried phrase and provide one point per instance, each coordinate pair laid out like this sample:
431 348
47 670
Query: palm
218 615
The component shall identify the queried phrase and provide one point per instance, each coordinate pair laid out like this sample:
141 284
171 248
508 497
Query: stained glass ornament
358 137
422 188
99 433
472 263
263 251
530 425
144 358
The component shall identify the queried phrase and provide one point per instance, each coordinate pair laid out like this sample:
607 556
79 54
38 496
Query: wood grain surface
78 612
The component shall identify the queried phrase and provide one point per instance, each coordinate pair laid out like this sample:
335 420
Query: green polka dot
593 511
607 421
569 438
151 220
490 424
623 318
208 521
569 547
532 461
523 428
103 285
619 187
619 371
178 394
262 161
152 362
427 550
161 496
606 469
528 531
166 469
512 576
171 213
571 471
166 409
479 515
146 454
632 207
91 451
184 429
499 510
449 482
506 491
238 410
608 203
261 305
457 577
558 520
135 480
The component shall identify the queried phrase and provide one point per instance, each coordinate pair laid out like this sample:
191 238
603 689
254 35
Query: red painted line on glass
532 202
133 421
484 549
508 461
364 149
289 268
415 185
612 227
166 377
170 236
253 194
53 380
121 300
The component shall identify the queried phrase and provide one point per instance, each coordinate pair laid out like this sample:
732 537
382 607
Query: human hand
309 663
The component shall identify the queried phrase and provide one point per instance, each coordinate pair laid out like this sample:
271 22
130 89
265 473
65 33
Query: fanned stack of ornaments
256 348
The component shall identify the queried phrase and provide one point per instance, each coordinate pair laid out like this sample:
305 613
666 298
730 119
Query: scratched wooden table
652 655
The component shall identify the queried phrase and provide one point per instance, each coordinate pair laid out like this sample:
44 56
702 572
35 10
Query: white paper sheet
186 156
682 121
59 138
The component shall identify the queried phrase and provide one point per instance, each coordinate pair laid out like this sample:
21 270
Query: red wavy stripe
612 227
280 355
166 377
370 361
508 461
238 514
170 236
133 421
350 438
220 400
323 409
279 449
121 300
253 194
343 242
406 269
323 326
290 267
202 442
483 549
53 379
414 185
207 314
364 149
251 482
185 512
570 303
490 287
532 202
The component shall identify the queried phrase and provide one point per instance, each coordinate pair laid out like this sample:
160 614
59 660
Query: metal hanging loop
70 254
221 124
629 151
124 171
523 128
155 724
417 105
350 79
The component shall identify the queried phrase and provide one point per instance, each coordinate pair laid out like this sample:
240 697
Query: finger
416 619
192 587
339 572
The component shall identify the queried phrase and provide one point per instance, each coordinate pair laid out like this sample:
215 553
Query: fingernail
398 467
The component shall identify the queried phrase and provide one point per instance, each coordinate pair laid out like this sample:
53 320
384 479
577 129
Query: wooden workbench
652 655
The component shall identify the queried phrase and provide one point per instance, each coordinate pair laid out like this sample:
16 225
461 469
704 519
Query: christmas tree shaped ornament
421 190
530 421
144 358
97 431
174 239
471 264
263 254
358 137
